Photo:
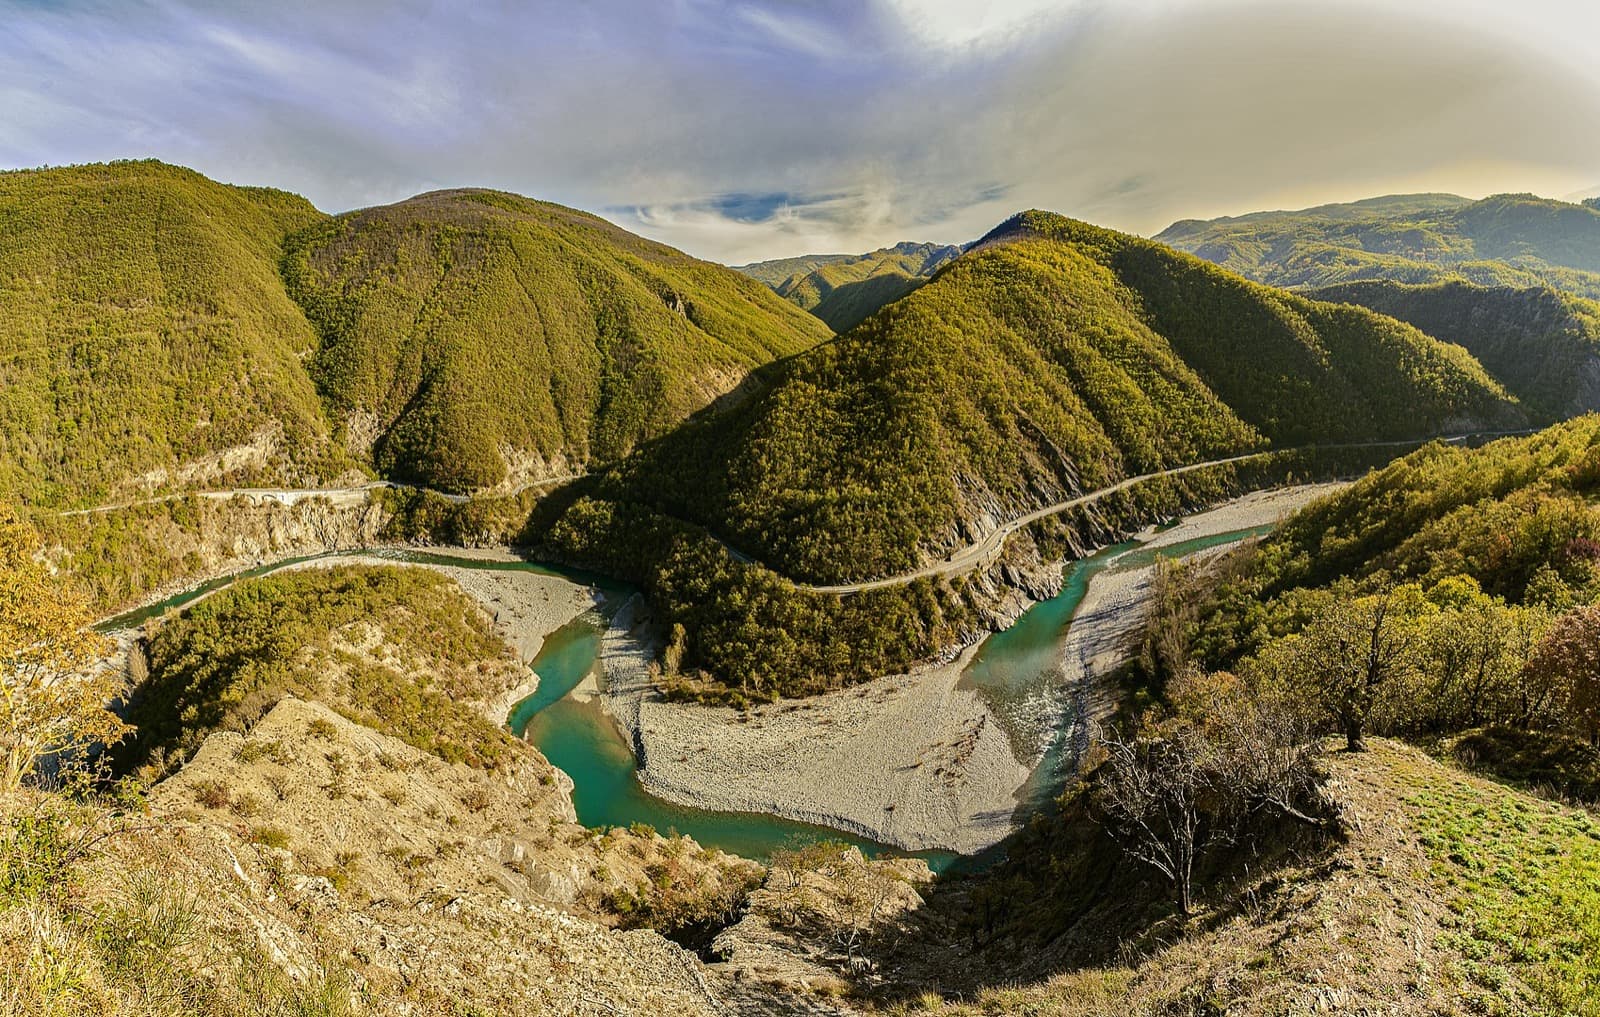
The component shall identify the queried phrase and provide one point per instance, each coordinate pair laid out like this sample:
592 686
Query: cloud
740 130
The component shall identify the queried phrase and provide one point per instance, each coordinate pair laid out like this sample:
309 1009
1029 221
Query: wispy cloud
738 129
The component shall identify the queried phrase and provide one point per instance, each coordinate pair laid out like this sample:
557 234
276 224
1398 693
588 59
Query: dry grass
1454 895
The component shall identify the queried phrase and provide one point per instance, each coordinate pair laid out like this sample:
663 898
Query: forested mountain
467 332
1516 516
1054 358
1057 357
776 272
1543 345
1473 573
844 291
165 332
1515 240
146 338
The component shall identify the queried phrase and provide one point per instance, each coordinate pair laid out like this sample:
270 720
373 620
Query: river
576 734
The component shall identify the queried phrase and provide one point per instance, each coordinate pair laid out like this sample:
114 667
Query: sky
742 130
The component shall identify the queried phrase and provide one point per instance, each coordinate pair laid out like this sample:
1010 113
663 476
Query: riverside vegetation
1447 600
1281 820
1466 574
1055 358
1207 856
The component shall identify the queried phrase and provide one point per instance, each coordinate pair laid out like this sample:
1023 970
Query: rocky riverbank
916 760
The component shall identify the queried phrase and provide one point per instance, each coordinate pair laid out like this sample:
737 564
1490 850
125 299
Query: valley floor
920 760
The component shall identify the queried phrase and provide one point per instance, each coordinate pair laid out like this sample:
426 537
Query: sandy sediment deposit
915 760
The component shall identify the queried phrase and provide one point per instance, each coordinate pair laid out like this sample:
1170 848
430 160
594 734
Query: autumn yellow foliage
53 688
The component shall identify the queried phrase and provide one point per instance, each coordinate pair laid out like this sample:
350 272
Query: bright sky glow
740 130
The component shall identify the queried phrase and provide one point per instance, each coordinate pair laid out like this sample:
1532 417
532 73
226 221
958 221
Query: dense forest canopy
164 332
467 332
1515 240
145 329
1542 344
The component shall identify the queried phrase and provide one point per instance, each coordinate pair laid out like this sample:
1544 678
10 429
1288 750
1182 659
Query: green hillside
1477 554
1514 511
845 291
1299 370
145 330
1544 346
163 332
467 332
776 272
1515 240
1056 358
223 664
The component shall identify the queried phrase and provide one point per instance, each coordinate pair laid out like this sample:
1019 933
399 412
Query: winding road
983 552
343 496
978 554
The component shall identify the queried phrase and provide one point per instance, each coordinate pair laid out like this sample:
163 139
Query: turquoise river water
580 738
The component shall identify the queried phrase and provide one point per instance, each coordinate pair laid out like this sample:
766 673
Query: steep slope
776 272
1503 514
1299 370
844 292
1452 894
1021 375
1543 345
342 851
471 337
146 339
1056 358
1515 240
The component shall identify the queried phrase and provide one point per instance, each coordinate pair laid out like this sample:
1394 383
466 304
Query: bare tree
855 905
1260 744
835 889
1150 794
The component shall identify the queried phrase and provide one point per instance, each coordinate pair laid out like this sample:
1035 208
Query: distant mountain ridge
1515 240
843 290
776 272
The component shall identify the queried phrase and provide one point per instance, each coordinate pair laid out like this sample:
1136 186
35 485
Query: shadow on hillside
1066 898
1543 763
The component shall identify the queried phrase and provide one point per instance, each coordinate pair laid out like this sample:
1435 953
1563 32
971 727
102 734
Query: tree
53 693
831 886
1566 663
1470 656
1259 744
1151 794
1350 656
